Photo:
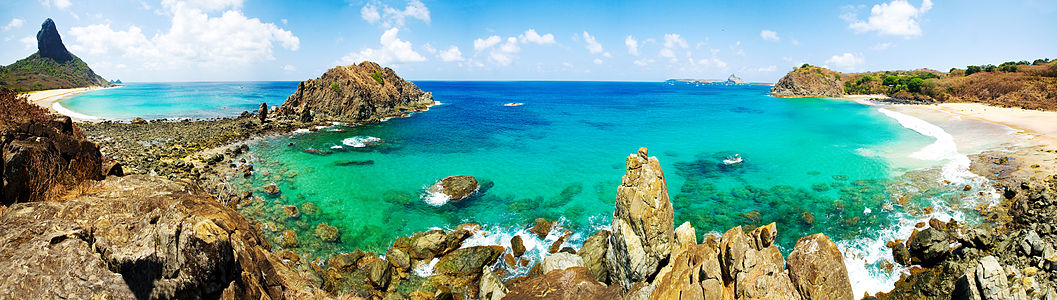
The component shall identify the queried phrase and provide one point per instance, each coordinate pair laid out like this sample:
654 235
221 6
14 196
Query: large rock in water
817 269
809 81
49 44
643 223
356 93
137 237
456 188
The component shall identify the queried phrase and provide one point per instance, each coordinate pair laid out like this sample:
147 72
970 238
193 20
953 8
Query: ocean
862 175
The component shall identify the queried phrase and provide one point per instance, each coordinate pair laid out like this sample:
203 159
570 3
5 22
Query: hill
52 67
1010 84
364 93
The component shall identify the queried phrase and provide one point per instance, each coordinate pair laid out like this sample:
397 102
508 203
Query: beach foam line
72 114
360 141
944 148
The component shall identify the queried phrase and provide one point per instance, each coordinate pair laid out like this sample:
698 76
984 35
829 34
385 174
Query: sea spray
361 141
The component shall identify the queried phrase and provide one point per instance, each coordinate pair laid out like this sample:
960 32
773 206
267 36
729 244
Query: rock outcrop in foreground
364 93
809 81
140 237
643 223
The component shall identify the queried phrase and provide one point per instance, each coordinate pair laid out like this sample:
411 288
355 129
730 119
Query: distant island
1029 85
732 80
52 67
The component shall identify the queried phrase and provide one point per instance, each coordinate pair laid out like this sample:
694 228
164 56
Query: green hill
52 67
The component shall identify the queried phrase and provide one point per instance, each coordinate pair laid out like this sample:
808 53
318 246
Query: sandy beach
1042 124
48 99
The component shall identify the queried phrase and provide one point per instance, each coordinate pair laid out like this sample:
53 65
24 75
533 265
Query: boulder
42 158
542 227
271 189
427 245
643 223
378 273
327 233
568 284
561 261
456 188
753 273
467 261
517 245
398 259
593 253
363 93
262 113
987 281
930 246
816 268
492 287
685 235
1032 244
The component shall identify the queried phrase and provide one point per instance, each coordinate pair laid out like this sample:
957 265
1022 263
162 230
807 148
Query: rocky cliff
364 93
809 81
52 67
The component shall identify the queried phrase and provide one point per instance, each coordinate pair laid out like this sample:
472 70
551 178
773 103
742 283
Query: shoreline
49 99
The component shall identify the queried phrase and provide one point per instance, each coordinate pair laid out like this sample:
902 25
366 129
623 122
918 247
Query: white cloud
284 21
643 62
769 35
390 17
598 61
881 46
592 45
846 61
671 40
567 64
667 52
393 50
530 36
429 48
195 39
893 18
289 68
771 68
29 42
452 54
481 44
15 23
60 4
633 45
795 42
510 46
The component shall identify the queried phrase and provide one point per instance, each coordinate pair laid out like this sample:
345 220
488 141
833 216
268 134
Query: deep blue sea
854 172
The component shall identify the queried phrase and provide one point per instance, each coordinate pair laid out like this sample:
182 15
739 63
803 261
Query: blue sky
213 40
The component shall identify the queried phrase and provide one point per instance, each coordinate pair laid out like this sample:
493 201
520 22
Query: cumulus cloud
375 12
60 4
29 42
672 41
195 39
530 36
481 44
15 23
598 61
592 45
452 54
846 61
643 62
392 50
769 35
633 45
898 17
503 54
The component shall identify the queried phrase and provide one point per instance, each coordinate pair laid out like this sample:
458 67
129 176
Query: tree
914 85
989 68
970 70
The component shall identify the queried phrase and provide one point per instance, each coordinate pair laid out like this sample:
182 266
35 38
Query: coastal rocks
568 284
327 233
517 246
643 223
754 273
456 188
271 189
987 280
561 261
262 113
49 44
809 81
491 287
593 253
542 227
288 239
929 246
42 155
467 261
137 237
817 269
364 93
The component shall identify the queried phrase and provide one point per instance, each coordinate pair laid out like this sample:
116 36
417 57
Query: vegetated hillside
1012 84
52 67
809 81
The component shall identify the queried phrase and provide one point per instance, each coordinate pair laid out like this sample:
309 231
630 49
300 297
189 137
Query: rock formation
809 81
456 188
817 270
49 44
364 93
137 237
643 223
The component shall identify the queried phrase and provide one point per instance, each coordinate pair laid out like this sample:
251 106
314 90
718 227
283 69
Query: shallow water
179 99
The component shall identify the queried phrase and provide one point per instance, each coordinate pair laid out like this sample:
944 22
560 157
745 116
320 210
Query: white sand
49 99
1041 124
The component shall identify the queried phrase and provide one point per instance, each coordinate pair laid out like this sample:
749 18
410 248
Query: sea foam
360 141
944 148
76 115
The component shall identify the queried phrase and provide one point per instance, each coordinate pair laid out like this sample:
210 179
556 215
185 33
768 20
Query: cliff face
364 93
52 67
809 81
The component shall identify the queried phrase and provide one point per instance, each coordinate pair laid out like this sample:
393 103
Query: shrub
377 77
914 84
1041 61
989 68
334 86
805 66
1009 66
16 109
970 70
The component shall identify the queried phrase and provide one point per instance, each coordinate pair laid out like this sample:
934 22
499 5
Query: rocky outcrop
809 81
817 269
137 237
456 188
643 223
364 93
49 44
572 283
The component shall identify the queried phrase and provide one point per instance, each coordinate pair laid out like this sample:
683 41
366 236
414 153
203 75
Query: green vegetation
334 86
39 73
889 82
377 77
970 70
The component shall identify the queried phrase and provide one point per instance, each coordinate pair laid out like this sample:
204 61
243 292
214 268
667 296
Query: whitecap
423 269
336 147
435 198
360 141
944 148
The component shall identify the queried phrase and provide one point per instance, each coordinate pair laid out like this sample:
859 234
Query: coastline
49 99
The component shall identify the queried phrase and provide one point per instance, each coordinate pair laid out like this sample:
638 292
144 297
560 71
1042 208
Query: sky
759 41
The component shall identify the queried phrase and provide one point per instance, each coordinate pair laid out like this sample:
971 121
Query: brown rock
327 233
457 188
291 212
398 259
288 239
517 245
262 112
542 227
378 274
467 261
695 274
571 283
817 269
807 217
643 223
271 189
364 93
557 245
594 254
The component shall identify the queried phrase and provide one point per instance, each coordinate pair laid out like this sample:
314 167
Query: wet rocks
542 227
288 239
327 233
467 261
398 258
456 188
517 245
929 246
817 269
571 283
643 223
271 189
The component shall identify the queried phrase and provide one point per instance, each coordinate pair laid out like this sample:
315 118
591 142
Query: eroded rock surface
355 93
643 227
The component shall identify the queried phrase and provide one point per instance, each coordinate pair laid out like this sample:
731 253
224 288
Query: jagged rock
901 254
42 159
517 245
427 245
49 43
643 223
456 188
542 227
262 112
467 261
930 246
492 287
568 284
356 93
810 81
763 236
593 253
398 259
695 274
986 281
816 268
561 261
137 237
327 233
557 245
1032 244
685 236
378 273
751 272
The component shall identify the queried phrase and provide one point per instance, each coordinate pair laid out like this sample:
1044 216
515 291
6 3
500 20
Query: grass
36 73
378 77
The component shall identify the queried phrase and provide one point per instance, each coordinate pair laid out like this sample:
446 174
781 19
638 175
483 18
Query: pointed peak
49 44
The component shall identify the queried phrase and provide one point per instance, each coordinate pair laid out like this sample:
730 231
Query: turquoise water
179 100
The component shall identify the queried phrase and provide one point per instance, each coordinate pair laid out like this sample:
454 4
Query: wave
72 114
944 148
361 141
435 198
